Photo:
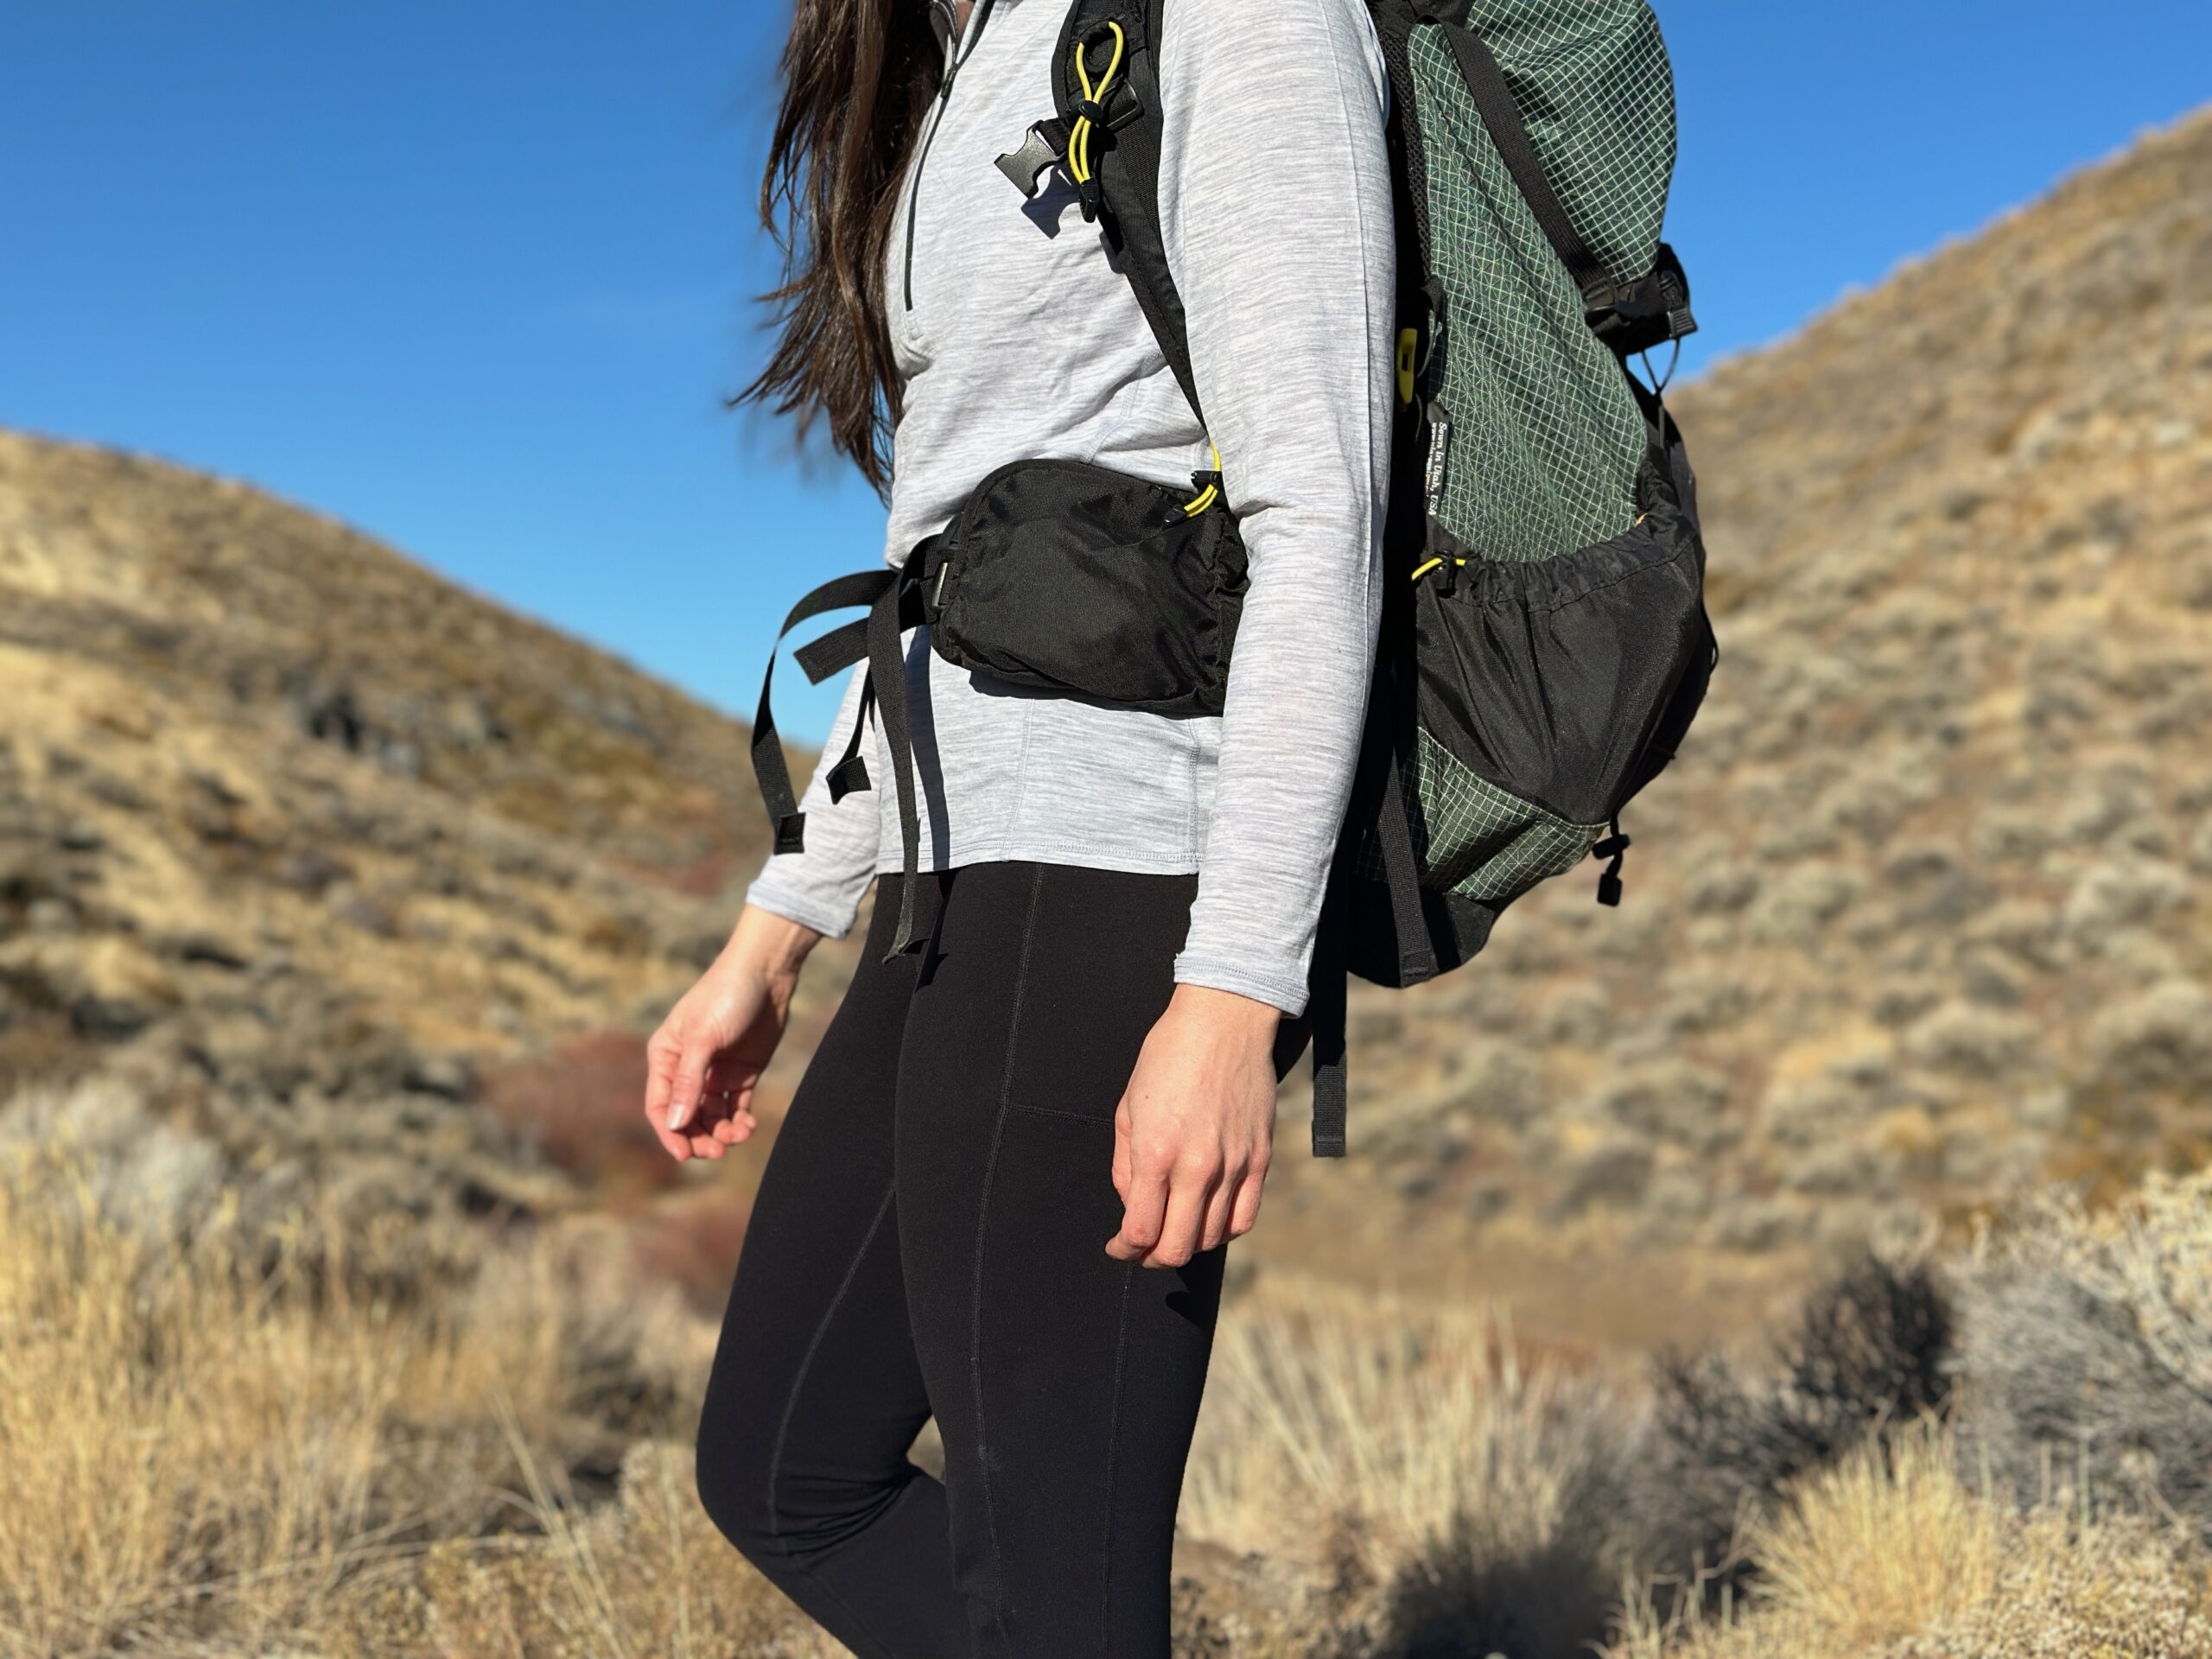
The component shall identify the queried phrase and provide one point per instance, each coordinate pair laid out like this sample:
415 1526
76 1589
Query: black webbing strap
843 593
1126 163
1326 1006
1408 924
886 673
1393 720
1494 100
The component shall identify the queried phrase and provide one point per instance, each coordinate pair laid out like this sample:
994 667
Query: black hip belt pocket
1073 580
1057 577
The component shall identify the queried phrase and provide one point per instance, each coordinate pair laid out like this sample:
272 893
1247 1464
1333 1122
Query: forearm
1276 212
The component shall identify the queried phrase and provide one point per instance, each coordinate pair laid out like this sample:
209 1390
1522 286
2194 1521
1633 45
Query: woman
1002 1194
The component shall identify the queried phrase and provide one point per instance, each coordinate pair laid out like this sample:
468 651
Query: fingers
1165 1214
731 1083
1121 1159
1144 1209
1221 1204
661 1055
1190 1190
1244 1213
689 1081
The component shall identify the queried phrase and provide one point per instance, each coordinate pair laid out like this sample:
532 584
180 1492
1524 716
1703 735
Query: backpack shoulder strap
1106 88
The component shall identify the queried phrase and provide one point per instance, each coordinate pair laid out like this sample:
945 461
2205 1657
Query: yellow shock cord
1436 564
1079 170
1079 136
1208 495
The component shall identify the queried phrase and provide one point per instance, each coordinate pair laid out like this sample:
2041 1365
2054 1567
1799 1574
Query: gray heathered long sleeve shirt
1018 339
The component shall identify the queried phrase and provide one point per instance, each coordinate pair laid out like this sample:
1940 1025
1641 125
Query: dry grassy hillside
313 846
332 900
1919 914
325 853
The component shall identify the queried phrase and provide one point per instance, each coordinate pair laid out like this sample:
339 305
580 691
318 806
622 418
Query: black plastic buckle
1653 310
1042 149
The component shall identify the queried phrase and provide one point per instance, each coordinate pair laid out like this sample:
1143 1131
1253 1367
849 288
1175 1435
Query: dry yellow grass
226 1444
220 1443
1893 1556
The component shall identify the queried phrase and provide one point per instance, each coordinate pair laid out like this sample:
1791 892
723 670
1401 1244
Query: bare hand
1195 1129
704 1063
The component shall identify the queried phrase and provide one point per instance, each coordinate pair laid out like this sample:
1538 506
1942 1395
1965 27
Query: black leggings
930 1241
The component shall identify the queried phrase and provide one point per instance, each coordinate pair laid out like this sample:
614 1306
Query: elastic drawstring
1092 109
1208 484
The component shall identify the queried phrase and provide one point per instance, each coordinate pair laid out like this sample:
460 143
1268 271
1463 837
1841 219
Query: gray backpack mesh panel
1546 441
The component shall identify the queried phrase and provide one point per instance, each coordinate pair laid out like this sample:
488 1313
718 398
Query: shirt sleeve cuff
831 916
1277 984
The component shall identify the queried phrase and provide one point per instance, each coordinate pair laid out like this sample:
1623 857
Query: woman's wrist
1227 1011
774 947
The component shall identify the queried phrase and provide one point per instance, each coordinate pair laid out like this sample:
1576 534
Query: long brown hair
858 76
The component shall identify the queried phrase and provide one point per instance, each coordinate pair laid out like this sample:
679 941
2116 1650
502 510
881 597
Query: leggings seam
982 1226
1113 1448
806 1362
791 1407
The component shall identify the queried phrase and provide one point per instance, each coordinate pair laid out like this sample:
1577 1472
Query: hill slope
306 837
304 840
1919 911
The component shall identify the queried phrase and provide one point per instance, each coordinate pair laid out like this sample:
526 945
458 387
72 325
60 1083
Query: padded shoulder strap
1125 152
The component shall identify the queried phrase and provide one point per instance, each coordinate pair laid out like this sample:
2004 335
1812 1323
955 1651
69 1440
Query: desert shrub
1795 909
2162 1039
1724 1446
1974 1043
2085 1340
1674 1101
2124 893
1443 1495
644 1575
217 1440
1892 1555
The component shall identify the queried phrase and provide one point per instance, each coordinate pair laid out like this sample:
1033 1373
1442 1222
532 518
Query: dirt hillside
365 881
1919 913
315 847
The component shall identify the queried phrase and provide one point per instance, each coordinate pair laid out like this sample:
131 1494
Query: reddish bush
583 1105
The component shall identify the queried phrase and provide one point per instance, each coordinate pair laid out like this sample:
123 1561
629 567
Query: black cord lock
1614 847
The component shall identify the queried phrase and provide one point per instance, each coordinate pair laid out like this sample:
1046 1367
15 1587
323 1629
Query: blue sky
472 273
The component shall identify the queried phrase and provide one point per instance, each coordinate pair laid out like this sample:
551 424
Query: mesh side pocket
1474 840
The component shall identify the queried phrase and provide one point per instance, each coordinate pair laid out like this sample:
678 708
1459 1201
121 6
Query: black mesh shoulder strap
1125 151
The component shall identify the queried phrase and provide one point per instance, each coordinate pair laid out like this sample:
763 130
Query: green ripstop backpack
1545 644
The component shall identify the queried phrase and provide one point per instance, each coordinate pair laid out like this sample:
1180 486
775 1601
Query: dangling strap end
903 938
1614 847
1329 1113
849 776
790 834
